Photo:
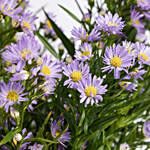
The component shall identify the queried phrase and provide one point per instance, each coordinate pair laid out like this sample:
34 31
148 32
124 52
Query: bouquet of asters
89 91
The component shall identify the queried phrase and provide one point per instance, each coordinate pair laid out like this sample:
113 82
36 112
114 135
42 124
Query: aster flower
36 147
135 19
50 69
91 90
128 85
85 52
56 131
81 34
143 4
48 27
27 22
124 146
8 7
143 53
75 72
12 93
25 50
116 58
146 129
109 23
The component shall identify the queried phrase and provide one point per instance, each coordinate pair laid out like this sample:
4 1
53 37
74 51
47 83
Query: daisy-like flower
109 23
48 26
56 131
146 129
12 93
25 50
85 52
50 69
135 19
124 146
143 53
128 85
143 4
8 7
75 72
36 147
27 22
91 90
81 34
116 58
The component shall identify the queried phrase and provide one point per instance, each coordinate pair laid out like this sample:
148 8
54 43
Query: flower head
91 90
81 34
128 85
25 50
36 147
85 52
50 69
143 4
11 93
124 146
56 131
116 58
146 129
75 72
110 24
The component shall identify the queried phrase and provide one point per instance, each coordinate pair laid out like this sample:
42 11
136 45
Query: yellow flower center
137 22
76 76
8 8
124 84
12 95
26 25
85 53
90 90
144 56
46 70
57 132
116 61
24 53
48 24
112 24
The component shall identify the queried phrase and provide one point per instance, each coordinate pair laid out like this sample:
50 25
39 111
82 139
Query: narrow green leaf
67 43
9 136
70 13
47 44
82 118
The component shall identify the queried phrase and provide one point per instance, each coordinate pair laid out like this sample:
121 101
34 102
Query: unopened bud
39 61
14 113
124 146
17 138
69 59
15 23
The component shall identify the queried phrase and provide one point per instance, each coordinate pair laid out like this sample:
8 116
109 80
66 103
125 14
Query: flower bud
14 113
17 138
39 61
69 59
15 23
124 146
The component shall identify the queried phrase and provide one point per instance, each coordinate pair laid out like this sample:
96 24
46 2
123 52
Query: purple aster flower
109 23
9 8
48 27
143 53
146 129
75 72
147 15
50 69
128 85
11 93
143 4
81 34
56 131
116 58
135 19
91 90
27 22
36 147
85 52
25 50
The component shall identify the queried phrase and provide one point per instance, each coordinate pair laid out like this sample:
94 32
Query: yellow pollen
137 22
57 132
8 8
26 25
124 84
46 70
144 56
85 53
48 24
24 53
87 35
76 76
90 90
112 24
116 61
12 95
